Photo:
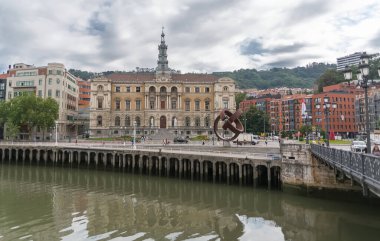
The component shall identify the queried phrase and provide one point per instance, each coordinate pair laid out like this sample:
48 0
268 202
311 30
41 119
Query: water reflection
41 203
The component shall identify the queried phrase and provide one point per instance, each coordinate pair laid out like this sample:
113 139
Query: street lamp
328 107
124 128
363 78
56 133
134 135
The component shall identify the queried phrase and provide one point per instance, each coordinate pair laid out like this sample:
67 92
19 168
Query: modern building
52 81
162 101
349 60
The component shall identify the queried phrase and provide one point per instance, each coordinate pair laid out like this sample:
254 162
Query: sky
202 35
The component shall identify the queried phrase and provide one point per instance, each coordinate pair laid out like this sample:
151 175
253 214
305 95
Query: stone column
201 169
254 176
228 173
268 173
180 168
213 172
240 173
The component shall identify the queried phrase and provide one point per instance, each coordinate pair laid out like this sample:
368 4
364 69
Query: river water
46 203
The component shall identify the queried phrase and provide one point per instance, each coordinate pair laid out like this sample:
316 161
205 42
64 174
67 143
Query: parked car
358 146
180 139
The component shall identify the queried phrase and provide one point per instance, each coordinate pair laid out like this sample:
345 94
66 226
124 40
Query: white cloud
206 36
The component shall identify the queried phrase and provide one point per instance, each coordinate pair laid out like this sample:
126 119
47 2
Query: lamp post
328 107
134 135
363 78
56 133
124 128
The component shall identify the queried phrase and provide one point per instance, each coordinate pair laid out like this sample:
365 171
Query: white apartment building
52 81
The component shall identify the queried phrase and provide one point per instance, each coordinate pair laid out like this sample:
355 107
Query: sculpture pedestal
226 143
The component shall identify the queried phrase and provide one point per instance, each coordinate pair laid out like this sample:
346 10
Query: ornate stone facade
184 104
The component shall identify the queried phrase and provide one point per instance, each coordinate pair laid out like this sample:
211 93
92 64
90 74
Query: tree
329 77
255 120
305 129
239 97
12 130
28 111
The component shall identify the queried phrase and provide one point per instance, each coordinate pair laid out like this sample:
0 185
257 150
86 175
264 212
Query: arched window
174 90
99 120
187 121
163 89
138 121
197 121
100 102
225 88
100 88
127 121
152 89
117 121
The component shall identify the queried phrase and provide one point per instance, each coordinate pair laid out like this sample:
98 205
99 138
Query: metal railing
364 168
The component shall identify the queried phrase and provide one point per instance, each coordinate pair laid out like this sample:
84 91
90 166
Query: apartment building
52 81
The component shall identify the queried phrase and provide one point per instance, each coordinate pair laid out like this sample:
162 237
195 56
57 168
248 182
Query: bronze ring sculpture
230 122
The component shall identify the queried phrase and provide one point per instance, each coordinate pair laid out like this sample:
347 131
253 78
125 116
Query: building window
40 93
187 105
187 121
50 81
117 89
57 93
207 90
128 89
117 121
117 104
127 105
127 121
225 88
100 102
49 93
207 105
174 104
100 87
138 89
99 121
225 103
138 121
197 105
197 121
207 121
187 89
2 86
58 81
151 105
138 104
40 82
196 89
50 71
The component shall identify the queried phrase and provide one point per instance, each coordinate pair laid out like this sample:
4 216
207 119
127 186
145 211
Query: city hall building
163 101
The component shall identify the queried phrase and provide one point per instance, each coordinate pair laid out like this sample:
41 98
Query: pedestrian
266 142
203 142
376 150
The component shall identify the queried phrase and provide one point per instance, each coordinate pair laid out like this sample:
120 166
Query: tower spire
162 62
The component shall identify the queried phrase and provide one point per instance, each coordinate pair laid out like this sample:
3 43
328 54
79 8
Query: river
46 203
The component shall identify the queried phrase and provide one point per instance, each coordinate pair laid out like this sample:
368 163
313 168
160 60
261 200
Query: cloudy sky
202 35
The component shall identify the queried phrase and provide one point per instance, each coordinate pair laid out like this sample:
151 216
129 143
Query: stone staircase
163 134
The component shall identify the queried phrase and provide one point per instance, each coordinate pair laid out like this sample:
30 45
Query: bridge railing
364 167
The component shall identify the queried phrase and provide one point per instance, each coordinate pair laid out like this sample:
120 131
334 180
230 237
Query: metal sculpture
231 122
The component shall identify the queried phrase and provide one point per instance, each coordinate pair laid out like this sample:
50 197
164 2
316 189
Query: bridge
195 163
359 167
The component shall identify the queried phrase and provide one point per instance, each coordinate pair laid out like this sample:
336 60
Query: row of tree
23 113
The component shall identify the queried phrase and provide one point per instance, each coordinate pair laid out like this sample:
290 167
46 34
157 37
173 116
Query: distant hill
303 77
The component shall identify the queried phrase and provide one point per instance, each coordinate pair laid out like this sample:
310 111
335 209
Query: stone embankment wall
300 170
